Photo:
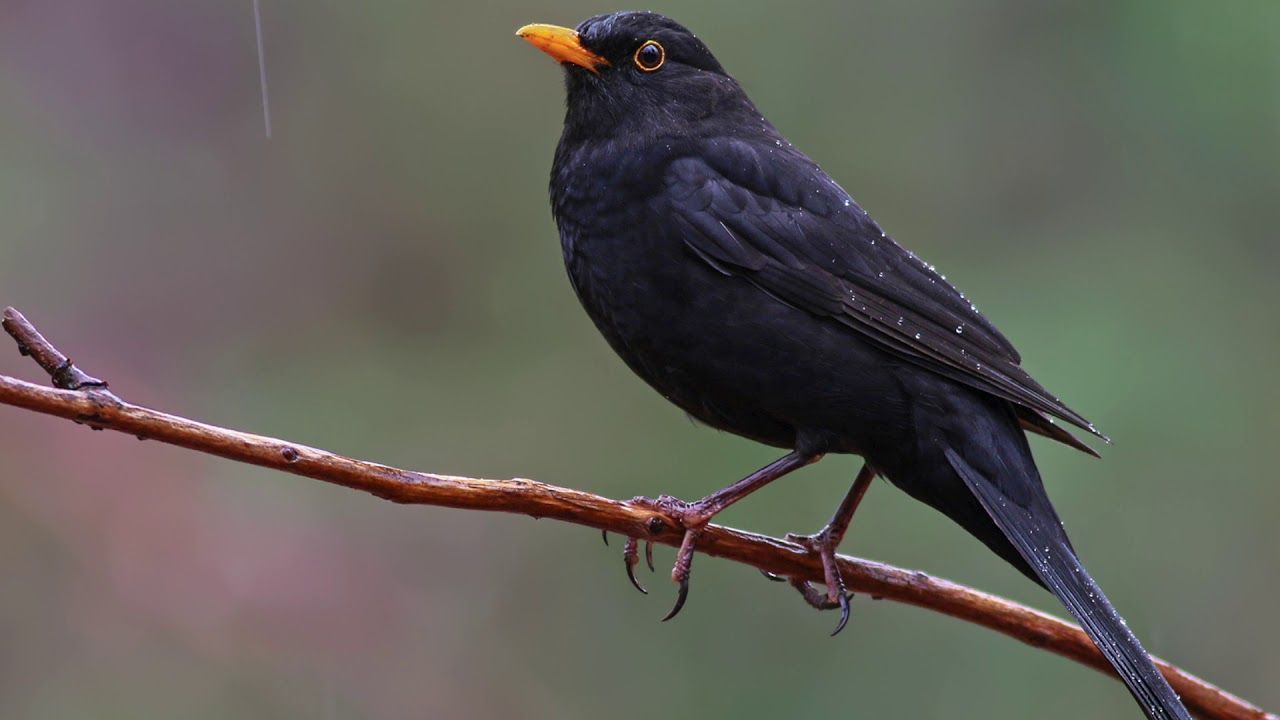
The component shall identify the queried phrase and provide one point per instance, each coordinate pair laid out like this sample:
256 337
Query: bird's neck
598 118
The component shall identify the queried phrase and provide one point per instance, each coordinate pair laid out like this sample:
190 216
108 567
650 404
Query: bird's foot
690 517
836 596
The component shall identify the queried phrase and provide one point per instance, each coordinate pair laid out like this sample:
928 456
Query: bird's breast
716 345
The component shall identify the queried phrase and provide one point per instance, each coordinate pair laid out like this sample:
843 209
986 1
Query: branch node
69 377
64 373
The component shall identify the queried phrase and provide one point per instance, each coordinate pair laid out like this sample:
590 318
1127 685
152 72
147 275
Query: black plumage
744 284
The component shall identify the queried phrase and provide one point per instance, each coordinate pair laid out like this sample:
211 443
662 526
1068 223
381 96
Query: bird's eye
650 56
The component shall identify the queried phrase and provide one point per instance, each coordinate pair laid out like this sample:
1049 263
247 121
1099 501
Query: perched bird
740 281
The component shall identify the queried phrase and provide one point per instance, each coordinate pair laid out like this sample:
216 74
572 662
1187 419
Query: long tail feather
1040 540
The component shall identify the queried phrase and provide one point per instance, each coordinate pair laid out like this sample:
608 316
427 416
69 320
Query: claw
680 598
844 614
648 554
631 557
772 576
681 570
605 534
631 575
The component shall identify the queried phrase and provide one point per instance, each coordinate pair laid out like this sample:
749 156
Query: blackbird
744 284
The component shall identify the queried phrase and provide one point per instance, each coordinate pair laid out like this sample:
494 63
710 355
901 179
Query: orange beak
562 44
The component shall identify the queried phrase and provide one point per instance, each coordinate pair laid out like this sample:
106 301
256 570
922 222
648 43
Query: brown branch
85 399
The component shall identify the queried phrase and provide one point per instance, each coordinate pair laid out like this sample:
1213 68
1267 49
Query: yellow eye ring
650 56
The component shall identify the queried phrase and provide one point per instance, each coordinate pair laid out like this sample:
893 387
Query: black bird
740 281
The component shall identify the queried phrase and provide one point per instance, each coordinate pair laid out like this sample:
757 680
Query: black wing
770 215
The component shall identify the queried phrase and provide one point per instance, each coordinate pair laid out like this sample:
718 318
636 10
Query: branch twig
85 399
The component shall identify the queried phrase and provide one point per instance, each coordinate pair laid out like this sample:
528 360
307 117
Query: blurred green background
383 278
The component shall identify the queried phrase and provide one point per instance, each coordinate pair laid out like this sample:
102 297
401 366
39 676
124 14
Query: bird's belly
728 353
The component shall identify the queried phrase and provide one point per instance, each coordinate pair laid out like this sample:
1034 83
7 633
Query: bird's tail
1044 547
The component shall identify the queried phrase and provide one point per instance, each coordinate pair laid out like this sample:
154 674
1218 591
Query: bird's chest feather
702 339
626 266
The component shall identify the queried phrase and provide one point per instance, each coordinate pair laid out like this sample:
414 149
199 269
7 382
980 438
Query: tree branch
85 399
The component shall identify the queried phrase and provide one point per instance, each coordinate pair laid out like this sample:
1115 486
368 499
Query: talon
772 576
680 598
692 518
844 614
631 575
605 534
681 570
631 557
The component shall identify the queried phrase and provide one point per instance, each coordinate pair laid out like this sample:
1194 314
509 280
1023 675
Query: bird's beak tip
561 43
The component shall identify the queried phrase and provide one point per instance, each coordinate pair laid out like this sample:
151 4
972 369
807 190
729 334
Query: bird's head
637 73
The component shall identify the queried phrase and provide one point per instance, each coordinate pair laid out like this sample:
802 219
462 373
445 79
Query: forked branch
84 399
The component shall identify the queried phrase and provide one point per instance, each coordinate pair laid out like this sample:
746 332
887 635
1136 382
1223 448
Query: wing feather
803 240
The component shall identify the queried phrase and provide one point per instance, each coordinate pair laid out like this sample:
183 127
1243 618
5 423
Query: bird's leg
824 543
693 517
